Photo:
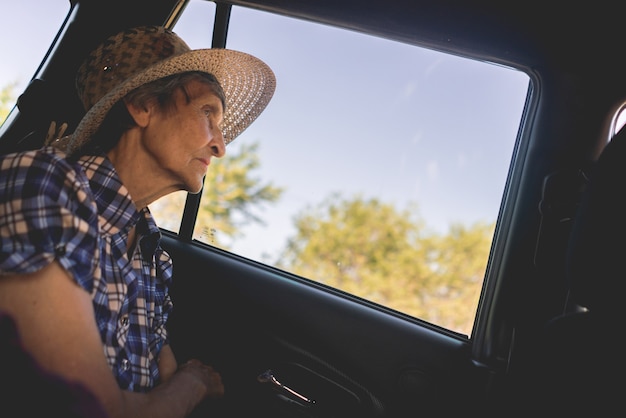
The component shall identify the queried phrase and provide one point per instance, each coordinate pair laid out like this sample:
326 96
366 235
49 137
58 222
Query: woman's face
183 140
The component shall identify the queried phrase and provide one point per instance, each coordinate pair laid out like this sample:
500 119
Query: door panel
345 357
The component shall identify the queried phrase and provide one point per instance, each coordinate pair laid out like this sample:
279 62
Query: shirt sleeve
47 213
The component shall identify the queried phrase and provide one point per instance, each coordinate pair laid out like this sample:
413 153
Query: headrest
596 255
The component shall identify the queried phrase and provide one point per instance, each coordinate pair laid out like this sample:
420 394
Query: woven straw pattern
137 56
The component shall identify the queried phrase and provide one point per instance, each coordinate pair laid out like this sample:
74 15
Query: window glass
35 23
195 27
378 167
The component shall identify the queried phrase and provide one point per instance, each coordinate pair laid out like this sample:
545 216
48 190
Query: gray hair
161 92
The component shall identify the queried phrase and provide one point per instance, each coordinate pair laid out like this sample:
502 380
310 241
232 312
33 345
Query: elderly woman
82 273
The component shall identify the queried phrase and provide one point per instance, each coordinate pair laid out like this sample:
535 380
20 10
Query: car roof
529 36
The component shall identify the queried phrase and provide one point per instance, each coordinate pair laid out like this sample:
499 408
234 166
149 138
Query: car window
377 169
35 23
195 26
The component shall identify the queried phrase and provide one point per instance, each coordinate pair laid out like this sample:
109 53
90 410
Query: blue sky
33 23
374 107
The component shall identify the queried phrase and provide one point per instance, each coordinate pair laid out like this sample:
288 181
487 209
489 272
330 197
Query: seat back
582 356
596 258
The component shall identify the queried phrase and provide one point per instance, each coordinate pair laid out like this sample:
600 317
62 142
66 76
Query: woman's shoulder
37 161
27 169
50 213
43 172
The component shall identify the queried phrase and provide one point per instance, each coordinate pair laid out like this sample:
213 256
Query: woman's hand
193 382
205 374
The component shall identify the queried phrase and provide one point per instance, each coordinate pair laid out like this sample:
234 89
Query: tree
371 250
230 198
7 99
458 271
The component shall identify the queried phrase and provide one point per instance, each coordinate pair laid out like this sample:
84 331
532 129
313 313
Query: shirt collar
116 209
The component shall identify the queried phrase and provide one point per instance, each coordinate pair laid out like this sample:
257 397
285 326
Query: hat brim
248 85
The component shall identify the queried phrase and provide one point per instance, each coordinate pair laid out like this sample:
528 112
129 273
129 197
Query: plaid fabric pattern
80 214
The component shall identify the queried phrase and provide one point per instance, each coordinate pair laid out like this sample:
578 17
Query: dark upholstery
582 359
596 259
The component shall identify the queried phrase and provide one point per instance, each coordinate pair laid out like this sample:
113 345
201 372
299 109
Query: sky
374 107
34 23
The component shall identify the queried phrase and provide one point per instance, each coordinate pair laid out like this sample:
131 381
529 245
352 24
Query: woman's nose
217 144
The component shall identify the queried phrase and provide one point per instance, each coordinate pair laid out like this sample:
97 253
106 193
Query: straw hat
143 54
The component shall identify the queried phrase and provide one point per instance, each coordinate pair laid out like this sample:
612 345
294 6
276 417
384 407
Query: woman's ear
140 114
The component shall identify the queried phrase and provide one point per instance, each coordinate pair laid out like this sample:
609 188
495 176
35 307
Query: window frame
192 206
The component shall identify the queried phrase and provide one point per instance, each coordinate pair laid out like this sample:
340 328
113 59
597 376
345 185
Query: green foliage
372 250
7 100
365 247
231 195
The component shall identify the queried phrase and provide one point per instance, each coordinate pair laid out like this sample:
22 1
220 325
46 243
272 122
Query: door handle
268 377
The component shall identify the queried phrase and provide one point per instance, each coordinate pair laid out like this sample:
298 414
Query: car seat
582 357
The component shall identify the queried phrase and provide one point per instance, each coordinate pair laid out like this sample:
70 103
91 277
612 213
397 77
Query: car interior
543 332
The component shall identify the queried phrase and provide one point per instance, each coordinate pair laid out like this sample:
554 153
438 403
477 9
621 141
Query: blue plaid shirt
80 214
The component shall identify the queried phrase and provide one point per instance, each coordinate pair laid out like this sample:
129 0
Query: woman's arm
167 363
56 322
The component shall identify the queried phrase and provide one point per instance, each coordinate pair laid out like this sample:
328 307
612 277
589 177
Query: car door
297 323
331 355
